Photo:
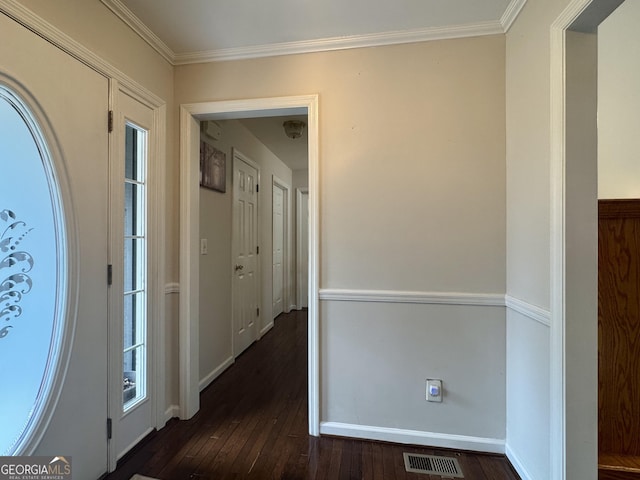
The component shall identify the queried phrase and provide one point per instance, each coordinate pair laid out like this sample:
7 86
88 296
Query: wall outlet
204 247
434 390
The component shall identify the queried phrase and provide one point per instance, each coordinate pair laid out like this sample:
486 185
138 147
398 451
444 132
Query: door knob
239 267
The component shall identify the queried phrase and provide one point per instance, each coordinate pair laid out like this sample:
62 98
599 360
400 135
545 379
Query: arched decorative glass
33 273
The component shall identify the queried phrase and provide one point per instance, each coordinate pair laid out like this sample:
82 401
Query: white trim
529 310
413 437
215 373
432 298
172 412
128 17
266 328
189 226
173 287
341 43
189 309
511 13
135 442
517 464
558 337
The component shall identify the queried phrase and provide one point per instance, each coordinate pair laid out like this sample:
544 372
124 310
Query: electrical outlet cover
434 390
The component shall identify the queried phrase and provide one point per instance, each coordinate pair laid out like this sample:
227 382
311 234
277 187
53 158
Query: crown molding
341 43
314 46
511 13
130 18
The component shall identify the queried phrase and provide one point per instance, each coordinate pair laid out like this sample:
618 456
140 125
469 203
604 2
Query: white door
302 260
74 99
131 388
246 303
278 250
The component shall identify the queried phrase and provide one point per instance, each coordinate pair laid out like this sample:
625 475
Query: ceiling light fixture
293 128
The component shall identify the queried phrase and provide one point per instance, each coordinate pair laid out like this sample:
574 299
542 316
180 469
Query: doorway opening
574 243
191 116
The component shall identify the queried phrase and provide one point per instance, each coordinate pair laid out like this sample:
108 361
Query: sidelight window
135 268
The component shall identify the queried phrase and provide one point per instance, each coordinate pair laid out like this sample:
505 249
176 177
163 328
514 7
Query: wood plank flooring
253 425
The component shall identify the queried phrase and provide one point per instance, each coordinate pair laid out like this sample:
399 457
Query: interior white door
132 386
246 304
302 261
74 99
278 250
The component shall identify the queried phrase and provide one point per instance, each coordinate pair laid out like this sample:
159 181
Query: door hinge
109 429
257 312
109 274
258 250
257 187
110 121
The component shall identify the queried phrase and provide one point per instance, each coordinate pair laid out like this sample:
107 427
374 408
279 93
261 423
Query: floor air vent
433 465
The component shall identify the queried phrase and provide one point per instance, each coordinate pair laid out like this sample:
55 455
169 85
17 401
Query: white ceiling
188 31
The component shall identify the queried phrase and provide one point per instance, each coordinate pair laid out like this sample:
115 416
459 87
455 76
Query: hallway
253 424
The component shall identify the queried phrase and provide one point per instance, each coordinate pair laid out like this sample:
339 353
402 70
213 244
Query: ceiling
189 31
269 130
192 31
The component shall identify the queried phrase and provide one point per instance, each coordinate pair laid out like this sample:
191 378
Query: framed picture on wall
213 167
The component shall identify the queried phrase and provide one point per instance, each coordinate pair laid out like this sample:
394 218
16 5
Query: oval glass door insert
32 273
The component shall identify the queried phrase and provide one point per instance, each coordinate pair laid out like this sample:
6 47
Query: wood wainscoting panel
619 327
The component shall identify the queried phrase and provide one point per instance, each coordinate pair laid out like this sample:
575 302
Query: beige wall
619 104
412 198
411 138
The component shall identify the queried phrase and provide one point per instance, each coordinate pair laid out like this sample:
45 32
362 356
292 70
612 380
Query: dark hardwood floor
253 425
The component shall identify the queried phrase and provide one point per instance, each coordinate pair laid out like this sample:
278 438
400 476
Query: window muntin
135 268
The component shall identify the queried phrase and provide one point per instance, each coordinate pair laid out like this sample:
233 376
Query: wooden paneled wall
619 326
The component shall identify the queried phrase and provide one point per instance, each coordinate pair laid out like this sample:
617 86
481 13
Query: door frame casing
189 238
572 450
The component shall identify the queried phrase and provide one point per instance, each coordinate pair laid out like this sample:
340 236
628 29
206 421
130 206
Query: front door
73 101
246 311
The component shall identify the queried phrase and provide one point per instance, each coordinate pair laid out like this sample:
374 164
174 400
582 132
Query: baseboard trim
516 463
413 437
172 412
215 373
529 310
398 296
267 327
